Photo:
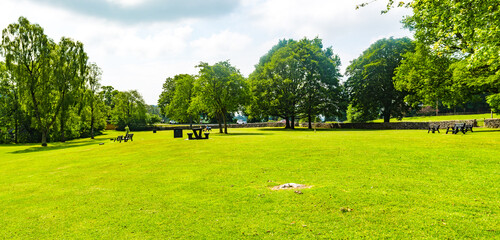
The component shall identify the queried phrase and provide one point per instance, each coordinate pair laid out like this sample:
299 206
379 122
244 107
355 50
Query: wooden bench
456 128
433 129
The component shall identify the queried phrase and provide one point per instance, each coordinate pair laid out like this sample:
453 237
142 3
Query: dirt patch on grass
290 186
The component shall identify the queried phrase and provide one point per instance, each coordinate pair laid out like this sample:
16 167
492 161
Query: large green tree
219 89
94 97
69 64
28 57
466 29
426 77
176 98
296 79
370 85
130 110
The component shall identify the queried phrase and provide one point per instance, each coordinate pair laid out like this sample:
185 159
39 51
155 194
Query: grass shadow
245 134
59 146
312 130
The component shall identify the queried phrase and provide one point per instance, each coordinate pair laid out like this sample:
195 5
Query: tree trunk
190 122
220 123
387 117
437 107
287 123
63 138
92 120
292 124
309 119
44 138
225 124
16 129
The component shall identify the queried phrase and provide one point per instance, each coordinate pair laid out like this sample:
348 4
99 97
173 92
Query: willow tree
27 51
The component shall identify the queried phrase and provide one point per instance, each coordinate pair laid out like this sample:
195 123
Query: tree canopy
468 30
296 79
370 85
219 89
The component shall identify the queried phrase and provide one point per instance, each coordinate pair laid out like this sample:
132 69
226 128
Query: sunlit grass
399 183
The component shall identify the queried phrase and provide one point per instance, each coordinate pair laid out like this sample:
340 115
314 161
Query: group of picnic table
457 127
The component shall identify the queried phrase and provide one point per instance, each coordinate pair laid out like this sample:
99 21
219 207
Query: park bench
456 128
468 127
433 129
129 136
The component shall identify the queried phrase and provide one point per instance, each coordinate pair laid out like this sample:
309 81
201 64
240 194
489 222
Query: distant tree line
50 91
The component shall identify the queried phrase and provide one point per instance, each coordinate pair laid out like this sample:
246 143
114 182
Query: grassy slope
479 117
399 183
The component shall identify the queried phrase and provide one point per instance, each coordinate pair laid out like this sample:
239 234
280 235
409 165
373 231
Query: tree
220 89
466 29
9 105
28 56
426 77
321 74
176 99
130 110
296 79
370 86
94 98
259 108
69 72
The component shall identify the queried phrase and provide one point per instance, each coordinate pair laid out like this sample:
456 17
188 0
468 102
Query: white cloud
220 46
127 3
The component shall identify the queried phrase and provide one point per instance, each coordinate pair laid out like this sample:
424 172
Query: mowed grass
479 117
398 183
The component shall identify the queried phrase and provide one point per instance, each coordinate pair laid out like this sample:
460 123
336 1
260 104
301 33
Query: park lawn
398 183
479 117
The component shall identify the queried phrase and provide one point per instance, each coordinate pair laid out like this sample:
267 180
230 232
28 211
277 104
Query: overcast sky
139 43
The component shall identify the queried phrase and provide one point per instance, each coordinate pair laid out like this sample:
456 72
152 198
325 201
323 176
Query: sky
139 43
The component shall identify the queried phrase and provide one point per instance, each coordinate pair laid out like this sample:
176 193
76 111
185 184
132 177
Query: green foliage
400 184
296 79
468 29
219 89
47 83
370 85
130 110
494 102
175 100
426 77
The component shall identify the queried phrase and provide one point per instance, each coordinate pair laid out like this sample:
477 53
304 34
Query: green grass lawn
479 117
399 183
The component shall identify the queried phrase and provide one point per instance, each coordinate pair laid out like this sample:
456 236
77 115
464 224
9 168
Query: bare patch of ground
290 186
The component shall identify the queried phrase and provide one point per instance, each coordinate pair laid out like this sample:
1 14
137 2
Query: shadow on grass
244 134
486 131
56 147
312 130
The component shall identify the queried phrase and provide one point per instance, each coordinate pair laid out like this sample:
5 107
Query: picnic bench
458 127
433 129
197 134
